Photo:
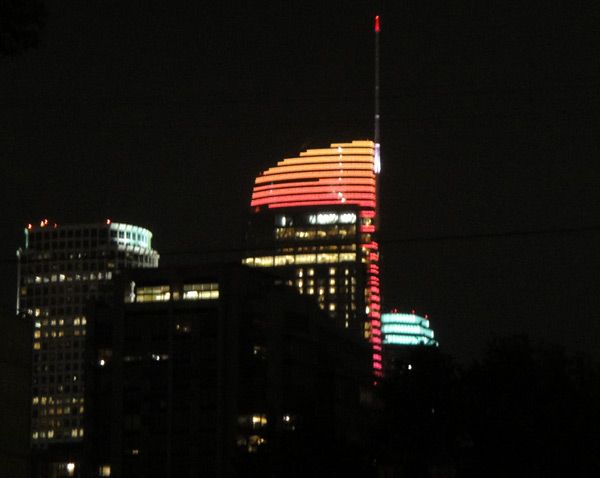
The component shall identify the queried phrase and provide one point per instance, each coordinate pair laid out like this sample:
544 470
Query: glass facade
60 269
314 220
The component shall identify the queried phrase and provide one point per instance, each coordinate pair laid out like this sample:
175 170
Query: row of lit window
49 411
162 293
319 248
289 259
312 233
50 434
300 272
53 311
76 321
58 333
43 400
45 279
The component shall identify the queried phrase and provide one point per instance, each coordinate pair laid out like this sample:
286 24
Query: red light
377 26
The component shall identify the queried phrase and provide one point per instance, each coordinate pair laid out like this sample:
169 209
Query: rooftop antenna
376 135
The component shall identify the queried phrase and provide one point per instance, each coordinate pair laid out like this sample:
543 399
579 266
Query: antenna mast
376 138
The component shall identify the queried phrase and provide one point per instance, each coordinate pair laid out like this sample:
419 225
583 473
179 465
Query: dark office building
220 371
15 395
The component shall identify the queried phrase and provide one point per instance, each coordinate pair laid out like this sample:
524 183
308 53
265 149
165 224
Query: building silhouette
15 395
313 221
220 370
60 269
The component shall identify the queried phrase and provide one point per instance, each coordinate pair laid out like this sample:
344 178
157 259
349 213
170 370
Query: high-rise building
406 329
60 268
406 339
313 221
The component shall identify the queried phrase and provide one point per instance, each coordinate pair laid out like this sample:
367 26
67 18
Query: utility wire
390 241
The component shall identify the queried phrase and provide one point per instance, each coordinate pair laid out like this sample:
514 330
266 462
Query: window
205 291
160 293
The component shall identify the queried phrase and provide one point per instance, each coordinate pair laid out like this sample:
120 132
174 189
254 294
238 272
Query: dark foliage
21 22
523 410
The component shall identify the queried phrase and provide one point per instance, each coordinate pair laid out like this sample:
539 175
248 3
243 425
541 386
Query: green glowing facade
406 329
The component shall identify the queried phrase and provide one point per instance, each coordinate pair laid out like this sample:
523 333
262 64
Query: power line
389 241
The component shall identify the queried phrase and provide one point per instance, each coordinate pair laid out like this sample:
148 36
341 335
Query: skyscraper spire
376 134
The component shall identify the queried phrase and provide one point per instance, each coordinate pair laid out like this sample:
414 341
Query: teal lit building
406 329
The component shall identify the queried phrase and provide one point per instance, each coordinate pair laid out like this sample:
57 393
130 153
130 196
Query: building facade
406 336
219 371
313 221
60 269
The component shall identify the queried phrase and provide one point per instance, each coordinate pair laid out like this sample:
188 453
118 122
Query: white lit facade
60 269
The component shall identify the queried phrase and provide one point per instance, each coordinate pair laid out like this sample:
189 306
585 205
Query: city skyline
485 138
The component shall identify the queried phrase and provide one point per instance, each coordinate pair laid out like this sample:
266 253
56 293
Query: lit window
159 293
104 470
306 259
201 291
265 261
327 257
311 272
284 260
347 256
331 307
332 271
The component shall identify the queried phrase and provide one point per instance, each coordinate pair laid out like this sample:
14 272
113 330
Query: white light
102 362
70 467
377 162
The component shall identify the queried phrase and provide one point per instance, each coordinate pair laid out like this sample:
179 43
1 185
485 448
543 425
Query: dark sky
161 114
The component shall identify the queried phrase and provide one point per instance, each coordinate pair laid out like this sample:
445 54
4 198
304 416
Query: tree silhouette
21 22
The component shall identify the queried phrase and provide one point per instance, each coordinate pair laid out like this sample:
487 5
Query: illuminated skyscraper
60 269
314 222
406 329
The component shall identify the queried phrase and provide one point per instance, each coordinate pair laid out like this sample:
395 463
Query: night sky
162 113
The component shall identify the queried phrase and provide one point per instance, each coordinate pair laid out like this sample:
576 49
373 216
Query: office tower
406 329
407 339
313 221
15 394
60 269
217 370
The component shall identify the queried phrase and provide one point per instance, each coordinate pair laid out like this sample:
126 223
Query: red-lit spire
377 26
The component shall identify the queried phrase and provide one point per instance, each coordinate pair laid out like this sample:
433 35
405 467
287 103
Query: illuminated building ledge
290 259
406 329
